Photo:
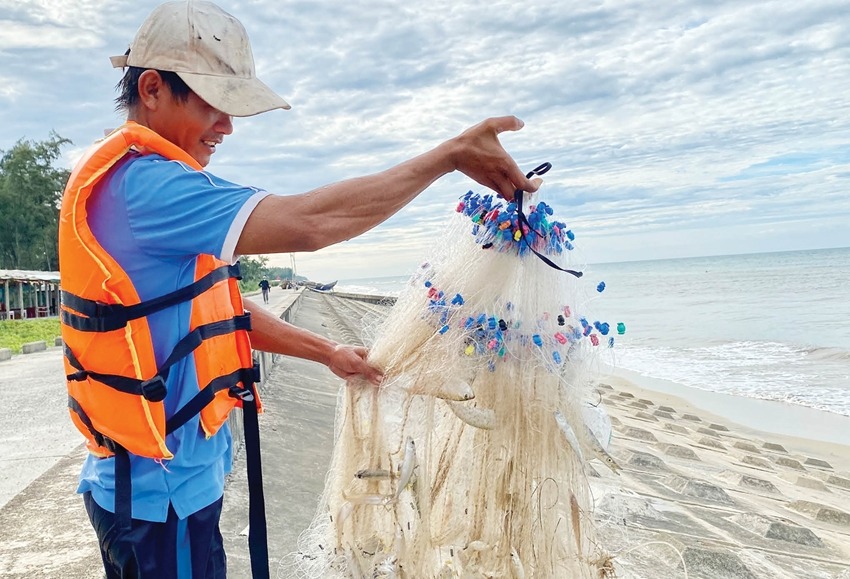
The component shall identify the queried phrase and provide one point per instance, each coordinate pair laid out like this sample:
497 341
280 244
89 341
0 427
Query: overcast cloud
675 128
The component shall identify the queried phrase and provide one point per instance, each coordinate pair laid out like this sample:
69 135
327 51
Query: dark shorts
161 550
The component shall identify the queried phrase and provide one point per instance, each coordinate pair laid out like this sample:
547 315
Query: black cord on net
523 220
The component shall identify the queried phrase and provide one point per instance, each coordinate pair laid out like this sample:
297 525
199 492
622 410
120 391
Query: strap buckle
105 442
249 376
154 389
241 393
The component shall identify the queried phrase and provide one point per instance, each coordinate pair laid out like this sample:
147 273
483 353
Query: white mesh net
469 460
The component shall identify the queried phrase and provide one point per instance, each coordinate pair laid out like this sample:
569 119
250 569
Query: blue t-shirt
155 216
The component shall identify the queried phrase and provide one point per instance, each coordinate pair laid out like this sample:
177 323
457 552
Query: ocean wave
835 401
836 354
382 286
367 289
817 378
825 400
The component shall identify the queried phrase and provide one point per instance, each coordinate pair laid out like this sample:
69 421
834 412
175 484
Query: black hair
128 86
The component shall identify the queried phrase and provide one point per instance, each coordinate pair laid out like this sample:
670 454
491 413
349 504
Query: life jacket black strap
123 489
258 546
99 317
99 438
123 478
247 376
120 383
193 339
153 389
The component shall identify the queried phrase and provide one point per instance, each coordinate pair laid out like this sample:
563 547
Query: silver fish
370 499
373 473
516 563
589 442
568 433
483 418
455 389
407 466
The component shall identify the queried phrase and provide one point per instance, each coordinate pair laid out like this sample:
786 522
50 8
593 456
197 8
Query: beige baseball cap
207 48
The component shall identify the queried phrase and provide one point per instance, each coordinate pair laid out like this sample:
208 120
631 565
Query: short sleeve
175 211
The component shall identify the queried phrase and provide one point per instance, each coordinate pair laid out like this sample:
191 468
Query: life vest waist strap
96 316
153 388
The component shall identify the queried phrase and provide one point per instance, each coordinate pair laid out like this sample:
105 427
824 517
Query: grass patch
15 333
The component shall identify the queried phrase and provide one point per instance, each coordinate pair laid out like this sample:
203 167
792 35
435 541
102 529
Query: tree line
30 194
31 186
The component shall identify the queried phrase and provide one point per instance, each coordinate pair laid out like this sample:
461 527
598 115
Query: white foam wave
382 286
829 354
367 290
764 370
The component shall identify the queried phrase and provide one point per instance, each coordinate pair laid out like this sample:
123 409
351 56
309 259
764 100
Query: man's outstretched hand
479 155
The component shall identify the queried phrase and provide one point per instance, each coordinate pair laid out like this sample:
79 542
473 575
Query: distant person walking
264 285
157 338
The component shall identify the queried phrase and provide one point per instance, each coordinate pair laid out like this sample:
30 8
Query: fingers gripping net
460 464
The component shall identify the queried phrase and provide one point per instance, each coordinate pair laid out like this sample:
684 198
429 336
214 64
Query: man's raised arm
338 212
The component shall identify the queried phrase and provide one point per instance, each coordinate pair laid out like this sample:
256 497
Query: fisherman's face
193 125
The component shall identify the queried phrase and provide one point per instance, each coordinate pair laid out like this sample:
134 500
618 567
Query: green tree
283 273
30 194
253 271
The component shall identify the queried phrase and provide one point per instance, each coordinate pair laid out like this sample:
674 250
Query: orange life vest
115 388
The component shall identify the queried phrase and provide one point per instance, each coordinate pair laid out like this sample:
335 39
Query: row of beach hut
28 294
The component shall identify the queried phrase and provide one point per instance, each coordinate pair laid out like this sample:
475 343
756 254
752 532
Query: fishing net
469 459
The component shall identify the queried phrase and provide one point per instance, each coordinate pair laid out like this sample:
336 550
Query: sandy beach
712 486
725 498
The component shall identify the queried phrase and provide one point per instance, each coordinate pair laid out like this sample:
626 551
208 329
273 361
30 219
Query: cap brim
238 97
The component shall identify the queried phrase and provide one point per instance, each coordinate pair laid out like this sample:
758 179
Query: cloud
17 36
695 126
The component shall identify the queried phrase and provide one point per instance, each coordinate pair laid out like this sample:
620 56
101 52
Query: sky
675 129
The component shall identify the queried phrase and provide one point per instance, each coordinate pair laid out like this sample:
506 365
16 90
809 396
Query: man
157 349
264 285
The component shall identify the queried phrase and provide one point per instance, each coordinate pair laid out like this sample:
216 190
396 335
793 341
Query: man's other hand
349 361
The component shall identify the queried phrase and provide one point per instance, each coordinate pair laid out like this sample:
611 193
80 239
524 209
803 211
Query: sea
774 326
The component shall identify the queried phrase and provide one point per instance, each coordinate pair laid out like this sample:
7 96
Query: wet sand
733 500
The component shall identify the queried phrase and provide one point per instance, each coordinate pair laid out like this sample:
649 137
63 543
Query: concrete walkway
44 530
297 439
